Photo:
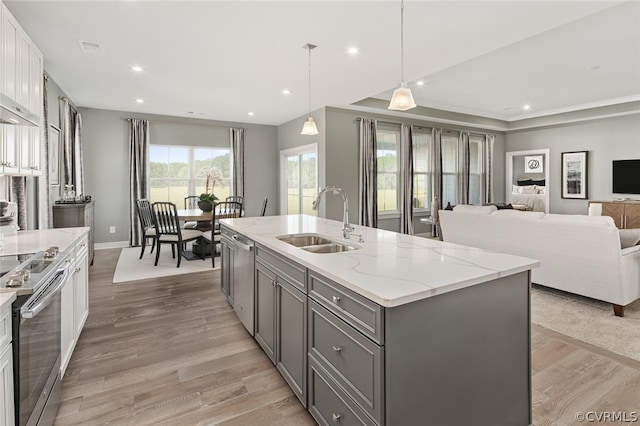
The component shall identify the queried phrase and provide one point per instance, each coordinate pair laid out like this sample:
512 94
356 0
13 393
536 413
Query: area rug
131 268
588 320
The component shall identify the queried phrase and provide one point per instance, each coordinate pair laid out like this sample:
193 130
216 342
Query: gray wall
606 139
106 161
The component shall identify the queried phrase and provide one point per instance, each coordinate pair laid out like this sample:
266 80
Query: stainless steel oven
36 335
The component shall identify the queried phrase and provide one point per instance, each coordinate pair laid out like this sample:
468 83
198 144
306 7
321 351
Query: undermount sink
315 243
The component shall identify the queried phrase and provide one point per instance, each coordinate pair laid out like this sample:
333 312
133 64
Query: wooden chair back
191 202
145 214
167 222
225 210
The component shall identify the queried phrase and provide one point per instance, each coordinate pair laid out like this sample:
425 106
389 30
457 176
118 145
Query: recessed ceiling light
140 101
526 107
352 50
252 113
419 83
593 68
286 92
136 68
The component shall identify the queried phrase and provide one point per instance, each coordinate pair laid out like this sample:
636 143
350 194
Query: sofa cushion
629 237
520 213
581 218
469 209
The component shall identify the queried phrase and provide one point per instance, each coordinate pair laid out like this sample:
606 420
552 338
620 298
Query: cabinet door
67 340
616 211
632 215
291 326
265 288
81 293
9 163
24 146
10 36
226 258
6 386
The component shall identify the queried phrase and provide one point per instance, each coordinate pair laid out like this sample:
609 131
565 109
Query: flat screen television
626 176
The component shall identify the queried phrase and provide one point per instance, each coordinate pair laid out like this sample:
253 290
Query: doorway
524 170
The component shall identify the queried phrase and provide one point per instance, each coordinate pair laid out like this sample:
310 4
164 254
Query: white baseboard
115 244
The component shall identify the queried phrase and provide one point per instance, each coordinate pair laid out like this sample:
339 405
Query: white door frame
302 149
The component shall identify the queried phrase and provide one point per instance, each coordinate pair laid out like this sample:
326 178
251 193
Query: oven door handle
30 313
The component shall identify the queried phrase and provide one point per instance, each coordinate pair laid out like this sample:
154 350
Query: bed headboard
531 179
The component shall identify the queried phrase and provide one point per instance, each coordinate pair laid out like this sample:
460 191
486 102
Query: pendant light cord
401 40
309 47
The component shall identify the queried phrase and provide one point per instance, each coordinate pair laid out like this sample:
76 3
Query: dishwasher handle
242 245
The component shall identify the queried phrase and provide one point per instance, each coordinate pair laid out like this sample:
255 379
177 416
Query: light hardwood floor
171 351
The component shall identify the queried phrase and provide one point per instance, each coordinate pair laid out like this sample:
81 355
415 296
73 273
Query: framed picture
533 164
54 155
574 175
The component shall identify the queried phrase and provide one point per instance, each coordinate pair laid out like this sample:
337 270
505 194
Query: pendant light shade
402 98
309 128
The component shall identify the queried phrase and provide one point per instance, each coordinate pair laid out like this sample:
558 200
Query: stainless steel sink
315 243
303 240
329 248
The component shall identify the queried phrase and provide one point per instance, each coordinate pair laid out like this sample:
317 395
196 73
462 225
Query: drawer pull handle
336 417
336 299
337 348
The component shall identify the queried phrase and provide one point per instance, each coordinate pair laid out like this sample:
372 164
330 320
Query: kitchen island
399 330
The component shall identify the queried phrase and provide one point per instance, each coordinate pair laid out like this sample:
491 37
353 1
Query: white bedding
534 202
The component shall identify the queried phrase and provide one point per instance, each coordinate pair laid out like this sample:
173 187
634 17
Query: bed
530 193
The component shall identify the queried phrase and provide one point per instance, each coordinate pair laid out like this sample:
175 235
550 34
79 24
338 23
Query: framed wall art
574 174
533 164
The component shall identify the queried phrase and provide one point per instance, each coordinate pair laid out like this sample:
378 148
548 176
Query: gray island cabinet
401 331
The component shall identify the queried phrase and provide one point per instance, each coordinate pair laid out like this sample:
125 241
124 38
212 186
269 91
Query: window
178 171
299 179
387 154
449 169
421 170
476 169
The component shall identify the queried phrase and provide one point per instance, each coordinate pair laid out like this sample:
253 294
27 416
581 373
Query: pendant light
309 128
402 98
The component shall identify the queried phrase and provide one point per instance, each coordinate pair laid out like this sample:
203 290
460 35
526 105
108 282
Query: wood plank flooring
171 351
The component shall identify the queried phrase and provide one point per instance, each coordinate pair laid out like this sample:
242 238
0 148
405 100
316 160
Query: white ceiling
222 59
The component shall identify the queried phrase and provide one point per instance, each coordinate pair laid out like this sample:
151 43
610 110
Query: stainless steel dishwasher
237 278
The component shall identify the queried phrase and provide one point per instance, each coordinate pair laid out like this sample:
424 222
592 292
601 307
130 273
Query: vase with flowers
207 198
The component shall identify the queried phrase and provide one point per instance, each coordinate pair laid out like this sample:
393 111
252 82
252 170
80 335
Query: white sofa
578 254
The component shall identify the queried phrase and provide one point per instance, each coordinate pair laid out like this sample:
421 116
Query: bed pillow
530 189
629 237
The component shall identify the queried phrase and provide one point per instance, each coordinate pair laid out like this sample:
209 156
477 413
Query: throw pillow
629 237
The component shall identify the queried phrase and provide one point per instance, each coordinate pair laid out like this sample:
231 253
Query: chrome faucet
346 228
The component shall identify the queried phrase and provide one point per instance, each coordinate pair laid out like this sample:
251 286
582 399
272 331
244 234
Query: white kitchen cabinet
75 302
9 150
6 369
10 37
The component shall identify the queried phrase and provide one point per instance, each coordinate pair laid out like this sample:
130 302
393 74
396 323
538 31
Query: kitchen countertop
390 269
6 299
40 239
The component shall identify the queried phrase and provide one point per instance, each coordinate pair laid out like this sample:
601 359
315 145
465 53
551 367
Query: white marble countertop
33 241
389 268
6 299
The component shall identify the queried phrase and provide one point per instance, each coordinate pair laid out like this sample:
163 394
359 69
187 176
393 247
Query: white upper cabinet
10 41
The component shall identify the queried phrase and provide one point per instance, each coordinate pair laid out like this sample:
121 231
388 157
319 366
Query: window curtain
139 141
71 138
488 167
237 159
436 167
368 169
463 175
406 179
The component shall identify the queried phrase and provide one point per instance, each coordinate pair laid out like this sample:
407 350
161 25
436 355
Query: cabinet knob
337 348
336 299
336 417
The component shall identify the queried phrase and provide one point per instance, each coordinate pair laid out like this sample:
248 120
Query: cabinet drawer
290 270
363 314
353 361
82 247
328 404
5 326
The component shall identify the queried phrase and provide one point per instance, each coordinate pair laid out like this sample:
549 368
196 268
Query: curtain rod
445 130
187 124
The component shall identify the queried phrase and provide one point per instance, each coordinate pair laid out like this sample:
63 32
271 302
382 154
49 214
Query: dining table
197 215
204 221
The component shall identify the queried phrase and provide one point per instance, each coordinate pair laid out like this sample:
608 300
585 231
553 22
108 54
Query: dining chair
169 231
237 199
263 209
221 210
190 203
147 223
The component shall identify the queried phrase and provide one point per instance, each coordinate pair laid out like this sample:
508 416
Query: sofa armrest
629 250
